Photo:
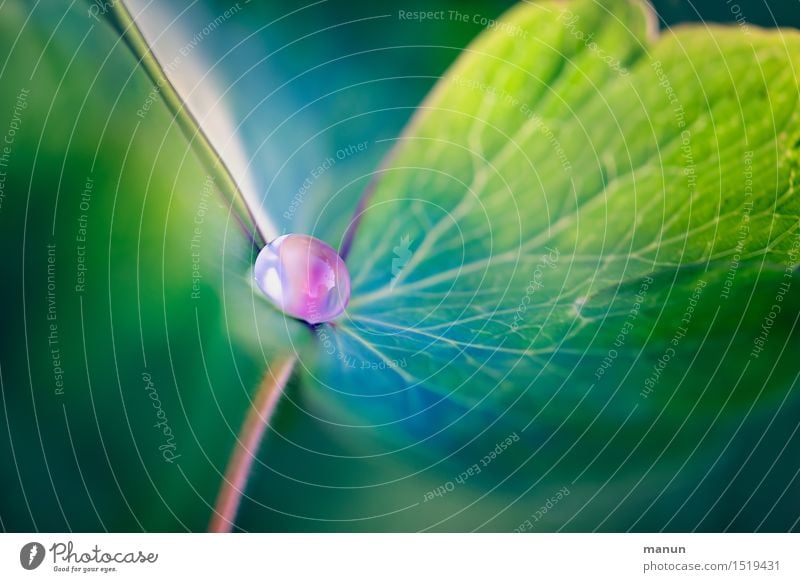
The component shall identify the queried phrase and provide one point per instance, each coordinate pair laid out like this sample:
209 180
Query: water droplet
303 277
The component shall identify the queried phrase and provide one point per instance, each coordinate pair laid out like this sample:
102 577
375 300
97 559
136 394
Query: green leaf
150 276
579 237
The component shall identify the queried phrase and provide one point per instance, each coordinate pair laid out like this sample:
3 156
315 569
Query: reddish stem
247 444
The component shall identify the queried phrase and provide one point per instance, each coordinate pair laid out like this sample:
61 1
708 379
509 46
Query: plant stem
274 382
247 444
121 19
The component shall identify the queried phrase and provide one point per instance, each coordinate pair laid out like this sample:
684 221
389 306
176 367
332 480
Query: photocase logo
31 555
402 254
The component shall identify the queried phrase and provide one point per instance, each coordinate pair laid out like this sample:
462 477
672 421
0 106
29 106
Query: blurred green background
86 173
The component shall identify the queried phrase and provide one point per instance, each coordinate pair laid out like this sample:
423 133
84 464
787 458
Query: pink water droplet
304 277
